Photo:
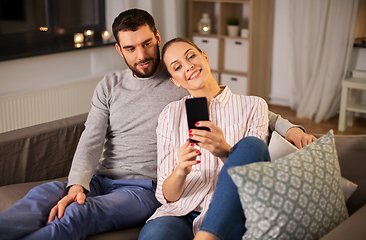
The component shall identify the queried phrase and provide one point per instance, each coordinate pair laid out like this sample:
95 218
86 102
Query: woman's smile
195 74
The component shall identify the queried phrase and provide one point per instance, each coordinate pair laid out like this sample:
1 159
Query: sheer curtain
321 39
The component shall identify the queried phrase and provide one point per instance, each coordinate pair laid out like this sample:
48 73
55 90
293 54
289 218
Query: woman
188 172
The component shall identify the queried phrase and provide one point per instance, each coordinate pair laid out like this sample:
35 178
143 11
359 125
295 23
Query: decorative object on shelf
78 40
89 37
233 26
244 33
204 24
106 36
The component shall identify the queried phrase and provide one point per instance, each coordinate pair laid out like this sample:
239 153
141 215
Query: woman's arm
174 185
174 164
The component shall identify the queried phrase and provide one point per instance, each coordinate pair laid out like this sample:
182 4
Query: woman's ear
175 82
206 57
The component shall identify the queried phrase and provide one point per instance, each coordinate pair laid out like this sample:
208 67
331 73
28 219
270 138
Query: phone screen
197 110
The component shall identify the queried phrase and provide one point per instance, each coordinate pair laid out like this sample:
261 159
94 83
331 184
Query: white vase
233 30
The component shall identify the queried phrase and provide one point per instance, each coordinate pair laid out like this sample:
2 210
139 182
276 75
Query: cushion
296 197
10 194
280 147
352 159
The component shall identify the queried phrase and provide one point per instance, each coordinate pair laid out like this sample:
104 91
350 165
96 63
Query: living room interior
53 82
23 73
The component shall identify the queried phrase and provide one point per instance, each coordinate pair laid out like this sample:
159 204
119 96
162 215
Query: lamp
106 36
78 40
89 37
204 24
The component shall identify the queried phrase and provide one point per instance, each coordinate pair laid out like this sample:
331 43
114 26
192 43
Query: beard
147 72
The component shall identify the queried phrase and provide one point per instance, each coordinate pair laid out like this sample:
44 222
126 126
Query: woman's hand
174 185
187 156
212 140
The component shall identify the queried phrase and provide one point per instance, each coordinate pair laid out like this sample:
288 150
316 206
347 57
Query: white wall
279 92
32 73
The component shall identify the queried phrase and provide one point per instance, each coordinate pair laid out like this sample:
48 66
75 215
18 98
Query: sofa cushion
352 159
296 197
10 194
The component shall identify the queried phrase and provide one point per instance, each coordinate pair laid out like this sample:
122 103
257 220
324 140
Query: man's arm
87 153
293 133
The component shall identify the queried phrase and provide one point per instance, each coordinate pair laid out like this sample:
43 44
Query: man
116 191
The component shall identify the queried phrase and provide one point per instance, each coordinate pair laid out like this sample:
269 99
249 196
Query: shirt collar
224 96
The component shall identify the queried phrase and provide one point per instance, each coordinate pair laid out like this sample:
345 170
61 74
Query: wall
279 92
28 74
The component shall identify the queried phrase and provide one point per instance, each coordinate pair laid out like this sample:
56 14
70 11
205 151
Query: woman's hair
174 40
131 20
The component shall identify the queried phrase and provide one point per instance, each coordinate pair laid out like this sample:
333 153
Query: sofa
44 152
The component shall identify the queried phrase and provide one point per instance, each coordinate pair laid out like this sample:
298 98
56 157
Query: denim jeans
225 217
169 227
110 205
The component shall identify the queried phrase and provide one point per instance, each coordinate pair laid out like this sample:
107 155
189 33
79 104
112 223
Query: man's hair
131 20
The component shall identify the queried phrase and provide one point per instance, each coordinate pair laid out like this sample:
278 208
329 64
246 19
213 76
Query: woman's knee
250 149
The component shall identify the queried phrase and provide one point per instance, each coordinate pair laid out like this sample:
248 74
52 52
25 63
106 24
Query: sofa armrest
353 228
39 152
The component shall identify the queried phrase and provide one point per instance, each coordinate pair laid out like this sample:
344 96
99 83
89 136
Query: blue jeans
110 205
225 217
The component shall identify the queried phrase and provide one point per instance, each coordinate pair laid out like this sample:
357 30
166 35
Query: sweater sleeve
91 142
279 124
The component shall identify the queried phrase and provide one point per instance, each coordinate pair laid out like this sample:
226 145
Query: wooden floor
323 127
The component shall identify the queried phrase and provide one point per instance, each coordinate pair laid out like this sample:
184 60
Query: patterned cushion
296 197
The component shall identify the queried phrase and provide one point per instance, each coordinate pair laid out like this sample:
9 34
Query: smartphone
197 110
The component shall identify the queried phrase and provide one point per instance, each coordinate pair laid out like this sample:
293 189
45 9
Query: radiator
31 108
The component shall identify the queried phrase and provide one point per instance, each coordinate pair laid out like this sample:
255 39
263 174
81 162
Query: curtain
321 36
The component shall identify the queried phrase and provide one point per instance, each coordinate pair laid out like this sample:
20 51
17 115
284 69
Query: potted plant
233 26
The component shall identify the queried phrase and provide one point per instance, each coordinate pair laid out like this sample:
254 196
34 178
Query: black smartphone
197 110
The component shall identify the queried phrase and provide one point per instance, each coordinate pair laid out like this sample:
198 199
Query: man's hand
296 136
75 194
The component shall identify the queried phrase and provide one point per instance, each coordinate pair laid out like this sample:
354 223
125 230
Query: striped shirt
237 116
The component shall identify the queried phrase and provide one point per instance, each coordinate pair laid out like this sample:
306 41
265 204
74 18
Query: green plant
233 20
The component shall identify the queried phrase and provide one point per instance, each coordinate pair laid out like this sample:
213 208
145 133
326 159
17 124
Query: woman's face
187 66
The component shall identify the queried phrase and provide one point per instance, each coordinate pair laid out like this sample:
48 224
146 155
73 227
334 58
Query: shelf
355 83
223 1
218 36
245 58
351 100
356 107
13 51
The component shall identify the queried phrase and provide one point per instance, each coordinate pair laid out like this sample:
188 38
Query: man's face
140 49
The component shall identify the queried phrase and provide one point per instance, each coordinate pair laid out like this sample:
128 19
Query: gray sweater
123 116
119 140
